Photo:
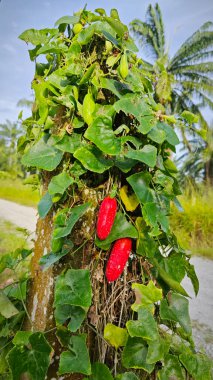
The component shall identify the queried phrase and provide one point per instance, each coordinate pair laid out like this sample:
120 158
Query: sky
181 18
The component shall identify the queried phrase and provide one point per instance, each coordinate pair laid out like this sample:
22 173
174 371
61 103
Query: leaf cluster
95 120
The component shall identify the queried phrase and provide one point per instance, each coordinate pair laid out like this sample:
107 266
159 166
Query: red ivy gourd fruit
106 217
118 258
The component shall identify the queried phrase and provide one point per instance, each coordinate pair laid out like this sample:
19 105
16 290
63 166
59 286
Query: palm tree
9 133
184 81
198 164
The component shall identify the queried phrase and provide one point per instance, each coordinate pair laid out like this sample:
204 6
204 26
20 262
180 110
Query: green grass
14 190
194 226
10 238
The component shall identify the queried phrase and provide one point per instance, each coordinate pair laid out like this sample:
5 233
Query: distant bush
193 226
5 175
14 190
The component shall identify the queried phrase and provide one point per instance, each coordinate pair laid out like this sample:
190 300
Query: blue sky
181 17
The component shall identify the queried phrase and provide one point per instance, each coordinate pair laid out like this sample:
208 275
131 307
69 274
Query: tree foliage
184 81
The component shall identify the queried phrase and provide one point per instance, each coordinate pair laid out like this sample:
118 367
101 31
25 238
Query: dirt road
22 216
201 307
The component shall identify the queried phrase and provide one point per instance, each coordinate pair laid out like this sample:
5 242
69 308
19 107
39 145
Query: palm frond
205 101
154 19
196 57
201 40
145 36
195 78
181 101
204 67
151 33
195 87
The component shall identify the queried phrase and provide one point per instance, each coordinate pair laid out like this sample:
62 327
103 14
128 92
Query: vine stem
7 344
123 299
24 306
98 334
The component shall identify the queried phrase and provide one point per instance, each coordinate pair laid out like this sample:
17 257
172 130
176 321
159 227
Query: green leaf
146 123
77 170
145 327
134 140
92 159
134 355
127 376
153 215
110 38
100 371
171 136
33 358
60 183
124 164
140 184
76 360
51 258
177 309
115 335
134 105
190 117
198 365
7 309
84 37
75 315
68 143
156 134
87 75
75 213
170 166
120 229
190 270
119 28
37 37
161 132
67 20
17 291
173 284
45 205
100 132
63 336
174 265
8 261
146 245
157 350
148 155
165 181
42 156
117 88
48 48
22 338
171 369
73 288
146 295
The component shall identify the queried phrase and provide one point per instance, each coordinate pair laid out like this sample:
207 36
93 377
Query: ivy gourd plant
97 131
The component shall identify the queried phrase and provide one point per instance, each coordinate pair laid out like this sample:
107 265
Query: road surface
22 216
201 307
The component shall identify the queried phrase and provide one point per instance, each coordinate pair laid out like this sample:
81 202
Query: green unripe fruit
77 28
56 245
124 66
88 108
49 57
108 47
